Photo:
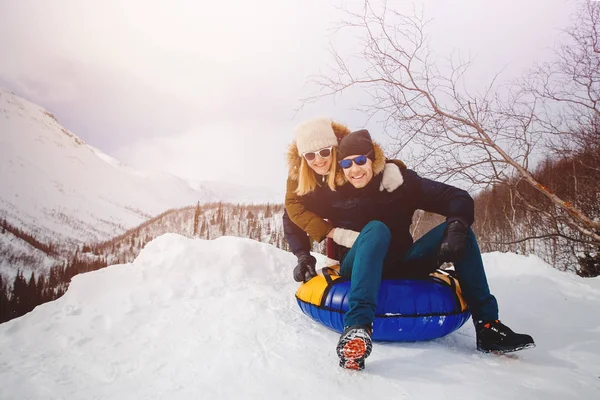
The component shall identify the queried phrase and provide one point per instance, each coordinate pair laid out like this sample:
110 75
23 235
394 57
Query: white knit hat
314 135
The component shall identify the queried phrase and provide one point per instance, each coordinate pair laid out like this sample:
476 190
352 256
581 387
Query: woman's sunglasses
360 160
323 153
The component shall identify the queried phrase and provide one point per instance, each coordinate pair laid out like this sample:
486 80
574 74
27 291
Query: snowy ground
195 319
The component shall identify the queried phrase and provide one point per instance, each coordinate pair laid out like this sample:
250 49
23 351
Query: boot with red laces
495 337
354 346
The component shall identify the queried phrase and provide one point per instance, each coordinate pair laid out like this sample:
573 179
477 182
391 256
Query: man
384 247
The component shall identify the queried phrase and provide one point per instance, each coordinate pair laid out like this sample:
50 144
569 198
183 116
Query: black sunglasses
360 160
323 153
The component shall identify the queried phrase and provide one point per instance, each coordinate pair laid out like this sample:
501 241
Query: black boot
495 337
354 346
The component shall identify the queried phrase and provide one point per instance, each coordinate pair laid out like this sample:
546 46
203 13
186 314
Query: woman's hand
306 267
343 237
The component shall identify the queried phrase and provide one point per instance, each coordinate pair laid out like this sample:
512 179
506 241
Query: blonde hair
307 181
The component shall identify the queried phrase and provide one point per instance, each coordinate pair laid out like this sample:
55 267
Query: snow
192 318
13 250
59 188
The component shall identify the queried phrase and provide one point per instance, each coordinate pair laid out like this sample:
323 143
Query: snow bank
203 319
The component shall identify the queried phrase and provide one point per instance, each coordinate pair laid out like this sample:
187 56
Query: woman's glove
345 237
454 242
306 266
392 178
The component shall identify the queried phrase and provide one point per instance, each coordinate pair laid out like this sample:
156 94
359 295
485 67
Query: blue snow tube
408 310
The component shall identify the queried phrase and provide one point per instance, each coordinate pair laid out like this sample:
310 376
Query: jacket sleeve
437 197
297 239
308 221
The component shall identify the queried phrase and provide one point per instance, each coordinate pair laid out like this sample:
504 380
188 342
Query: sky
212 90
217 319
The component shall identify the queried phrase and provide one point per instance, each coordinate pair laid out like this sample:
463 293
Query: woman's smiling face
321 165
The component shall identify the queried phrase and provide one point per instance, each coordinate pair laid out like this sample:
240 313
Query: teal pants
364 264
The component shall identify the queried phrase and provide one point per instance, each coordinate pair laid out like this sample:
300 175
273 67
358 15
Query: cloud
250 153
157 83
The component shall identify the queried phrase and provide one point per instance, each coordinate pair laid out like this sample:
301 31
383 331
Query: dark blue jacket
352 208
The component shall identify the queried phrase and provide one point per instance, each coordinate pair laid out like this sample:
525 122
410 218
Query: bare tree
485 138
568 88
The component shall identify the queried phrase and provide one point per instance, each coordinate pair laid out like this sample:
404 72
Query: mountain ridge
61 190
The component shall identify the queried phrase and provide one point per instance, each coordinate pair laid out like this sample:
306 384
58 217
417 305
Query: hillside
62 192
192 318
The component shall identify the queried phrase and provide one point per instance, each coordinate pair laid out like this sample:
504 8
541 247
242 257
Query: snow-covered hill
58 189
217 319
55 184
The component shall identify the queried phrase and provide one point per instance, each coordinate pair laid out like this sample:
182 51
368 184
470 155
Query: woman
313 176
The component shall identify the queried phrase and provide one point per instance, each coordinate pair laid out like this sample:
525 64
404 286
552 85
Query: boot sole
353 352
506 350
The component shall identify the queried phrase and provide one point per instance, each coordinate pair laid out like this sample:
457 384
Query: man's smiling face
359 175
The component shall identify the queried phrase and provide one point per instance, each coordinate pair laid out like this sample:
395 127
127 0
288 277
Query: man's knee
379 230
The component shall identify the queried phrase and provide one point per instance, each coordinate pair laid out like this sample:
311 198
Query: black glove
454 242
306 266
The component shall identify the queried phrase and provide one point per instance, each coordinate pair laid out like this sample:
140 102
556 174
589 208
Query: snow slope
17 252
58 188
197 319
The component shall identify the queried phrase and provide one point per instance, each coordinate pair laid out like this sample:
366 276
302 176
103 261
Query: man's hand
454 242
392 178
306 267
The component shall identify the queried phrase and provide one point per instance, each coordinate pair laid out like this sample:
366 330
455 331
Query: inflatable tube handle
327 272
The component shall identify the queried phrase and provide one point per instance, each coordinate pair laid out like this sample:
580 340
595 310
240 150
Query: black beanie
358 143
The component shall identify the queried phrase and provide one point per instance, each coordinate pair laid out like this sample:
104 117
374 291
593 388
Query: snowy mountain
55 184
58 189
192 318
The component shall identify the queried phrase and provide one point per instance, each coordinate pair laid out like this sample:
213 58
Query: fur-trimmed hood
294 160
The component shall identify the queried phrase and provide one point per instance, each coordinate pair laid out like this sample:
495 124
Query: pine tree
258 232
39 290
196 218
31 299
203 228
219 213
53 278
249 223
223 227
4 301
18 295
